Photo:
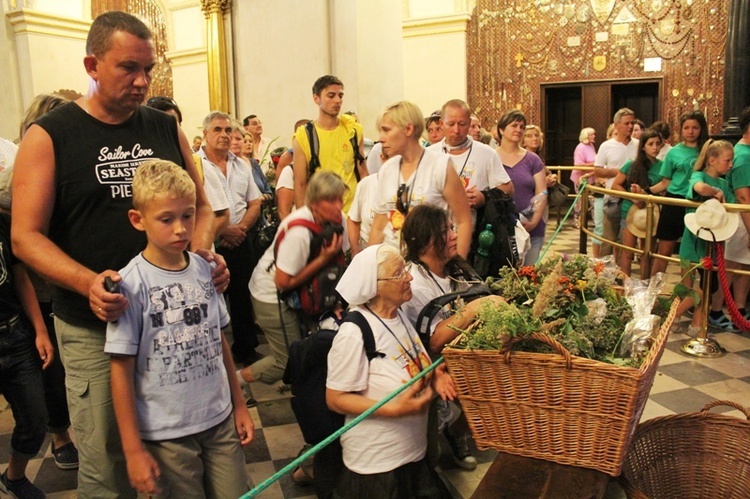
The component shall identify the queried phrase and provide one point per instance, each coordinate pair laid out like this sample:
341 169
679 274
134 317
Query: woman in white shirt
414 175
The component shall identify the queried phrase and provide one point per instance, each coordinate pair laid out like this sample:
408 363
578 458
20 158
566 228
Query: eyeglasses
402 199
160 99
401 275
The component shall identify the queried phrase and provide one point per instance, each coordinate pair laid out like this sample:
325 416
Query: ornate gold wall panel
514 46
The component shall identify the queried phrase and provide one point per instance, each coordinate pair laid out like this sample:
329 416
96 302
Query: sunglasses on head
160 99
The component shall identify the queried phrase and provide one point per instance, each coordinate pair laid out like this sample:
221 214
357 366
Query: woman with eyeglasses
384 455
527 172
414 176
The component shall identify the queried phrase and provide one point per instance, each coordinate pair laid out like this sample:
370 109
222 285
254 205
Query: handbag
557 194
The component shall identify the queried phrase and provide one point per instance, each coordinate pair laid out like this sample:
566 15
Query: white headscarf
359 284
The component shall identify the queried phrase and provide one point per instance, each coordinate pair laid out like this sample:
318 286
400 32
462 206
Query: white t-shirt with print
379 444
479 166
425 185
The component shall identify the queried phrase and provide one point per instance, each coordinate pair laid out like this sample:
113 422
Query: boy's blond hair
159 176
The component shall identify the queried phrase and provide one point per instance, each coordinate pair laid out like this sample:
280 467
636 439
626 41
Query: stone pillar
216 53
736 67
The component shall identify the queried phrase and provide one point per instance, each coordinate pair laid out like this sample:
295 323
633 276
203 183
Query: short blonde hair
404 112
584 135
159 176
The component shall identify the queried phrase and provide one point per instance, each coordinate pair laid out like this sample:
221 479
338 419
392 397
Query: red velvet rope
734 312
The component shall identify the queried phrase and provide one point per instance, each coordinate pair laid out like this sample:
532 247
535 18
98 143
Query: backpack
429 311
312 138
306 372
500 211
319 294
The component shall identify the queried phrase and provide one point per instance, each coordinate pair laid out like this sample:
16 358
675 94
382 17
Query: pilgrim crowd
131 236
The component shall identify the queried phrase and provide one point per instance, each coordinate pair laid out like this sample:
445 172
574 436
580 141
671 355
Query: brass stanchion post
702 345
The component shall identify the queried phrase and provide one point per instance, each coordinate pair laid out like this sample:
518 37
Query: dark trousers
54 380
241 262
21 383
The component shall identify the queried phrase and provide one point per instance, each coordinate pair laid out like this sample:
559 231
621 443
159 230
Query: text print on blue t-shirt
185 347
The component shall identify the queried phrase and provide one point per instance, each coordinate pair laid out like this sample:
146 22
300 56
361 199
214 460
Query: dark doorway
562 125
643 98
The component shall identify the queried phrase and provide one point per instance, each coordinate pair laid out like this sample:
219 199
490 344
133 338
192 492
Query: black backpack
429 311
312 139
500 211
306 372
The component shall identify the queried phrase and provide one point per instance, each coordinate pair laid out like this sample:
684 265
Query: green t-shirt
692 248
739 175
654 176
678 167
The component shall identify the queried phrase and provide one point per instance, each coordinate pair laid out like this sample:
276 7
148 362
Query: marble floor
682 384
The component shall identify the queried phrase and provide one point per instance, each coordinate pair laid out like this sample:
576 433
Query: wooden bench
522 477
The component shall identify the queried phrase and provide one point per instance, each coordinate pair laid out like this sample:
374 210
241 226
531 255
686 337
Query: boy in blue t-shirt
179 407
25 349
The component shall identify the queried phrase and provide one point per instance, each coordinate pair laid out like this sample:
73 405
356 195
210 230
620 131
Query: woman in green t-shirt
637 176
676 170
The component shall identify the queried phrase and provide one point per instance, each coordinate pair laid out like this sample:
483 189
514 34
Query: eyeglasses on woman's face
403 275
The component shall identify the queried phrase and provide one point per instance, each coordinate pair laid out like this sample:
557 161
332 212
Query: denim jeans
21 383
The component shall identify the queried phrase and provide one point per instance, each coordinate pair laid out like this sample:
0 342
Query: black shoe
251 402
460 450
66 457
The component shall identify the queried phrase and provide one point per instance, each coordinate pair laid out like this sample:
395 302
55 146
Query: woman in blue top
706 183
637 176
676 170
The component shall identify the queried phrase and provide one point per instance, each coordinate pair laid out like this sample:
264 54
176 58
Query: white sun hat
712 222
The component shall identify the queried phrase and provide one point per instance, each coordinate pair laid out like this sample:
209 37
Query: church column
736 66
216 52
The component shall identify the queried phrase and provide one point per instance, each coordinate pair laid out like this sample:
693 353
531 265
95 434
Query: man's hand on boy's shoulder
220 272
107 306
244 424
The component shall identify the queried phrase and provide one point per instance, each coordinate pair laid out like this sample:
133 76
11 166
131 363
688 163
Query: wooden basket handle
729 403
544 338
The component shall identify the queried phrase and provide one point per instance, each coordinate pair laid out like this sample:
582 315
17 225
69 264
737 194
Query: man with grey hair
611 156
235 241
72 186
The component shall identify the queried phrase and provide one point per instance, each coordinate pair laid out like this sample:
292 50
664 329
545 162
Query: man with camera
235 240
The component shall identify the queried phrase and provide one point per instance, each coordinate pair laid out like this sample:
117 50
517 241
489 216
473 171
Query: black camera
329 229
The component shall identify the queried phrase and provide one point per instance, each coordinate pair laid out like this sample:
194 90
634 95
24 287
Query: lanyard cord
414 360
410 190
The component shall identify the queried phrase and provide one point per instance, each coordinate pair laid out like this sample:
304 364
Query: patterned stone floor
683 384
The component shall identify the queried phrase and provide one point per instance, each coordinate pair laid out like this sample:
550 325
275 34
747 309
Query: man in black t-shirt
71 197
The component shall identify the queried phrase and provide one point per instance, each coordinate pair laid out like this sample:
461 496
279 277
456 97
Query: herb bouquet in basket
562 371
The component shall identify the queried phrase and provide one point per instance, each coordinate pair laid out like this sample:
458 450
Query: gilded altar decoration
602 9
600 62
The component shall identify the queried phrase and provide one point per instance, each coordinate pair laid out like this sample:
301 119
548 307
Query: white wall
435 59
43 52
281 48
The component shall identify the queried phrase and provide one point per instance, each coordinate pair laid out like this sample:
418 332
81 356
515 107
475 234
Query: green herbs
571 299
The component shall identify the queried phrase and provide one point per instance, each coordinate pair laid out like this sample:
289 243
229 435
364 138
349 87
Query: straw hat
636 221
712 222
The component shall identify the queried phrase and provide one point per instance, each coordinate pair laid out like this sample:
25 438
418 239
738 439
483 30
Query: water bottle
481 259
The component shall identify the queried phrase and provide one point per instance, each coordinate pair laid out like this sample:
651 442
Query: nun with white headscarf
384 455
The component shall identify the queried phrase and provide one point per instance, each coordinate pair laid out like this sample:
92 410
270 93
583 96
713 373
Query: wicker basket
691 455
560 408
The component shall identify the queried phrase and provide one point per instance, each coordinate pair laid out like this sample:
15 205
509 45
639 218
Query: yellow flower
581 285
